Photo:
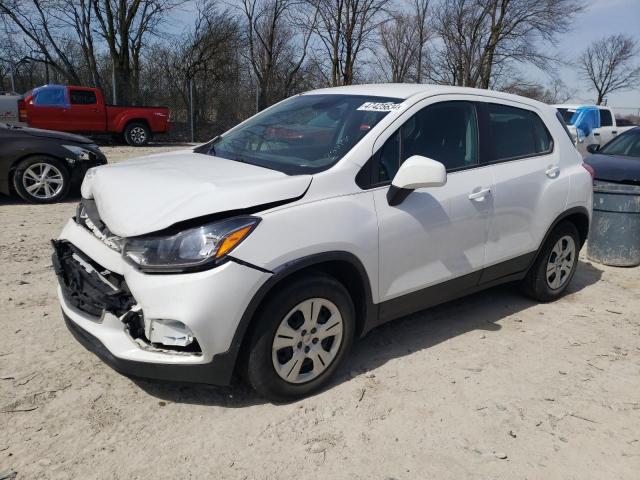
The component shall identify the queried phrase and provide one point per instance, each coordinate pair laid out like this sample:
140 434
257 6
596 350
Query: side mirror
415 172
593 148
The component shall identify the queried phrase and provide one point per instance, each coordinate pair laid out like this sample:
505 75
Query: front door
435 234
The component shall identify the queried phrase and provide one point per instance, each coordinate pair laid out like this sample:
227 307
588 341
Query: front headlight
192 249
79 152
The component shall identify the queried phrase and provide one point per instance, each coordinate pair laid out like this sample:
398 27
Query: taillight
22 111
589 169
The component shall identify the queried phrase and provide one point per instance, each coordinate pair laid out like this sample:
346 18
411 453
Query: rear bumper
218 372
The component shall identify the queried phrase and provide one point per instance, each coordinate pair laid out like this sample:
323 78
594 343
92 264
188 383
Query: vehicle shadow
393 340
72 197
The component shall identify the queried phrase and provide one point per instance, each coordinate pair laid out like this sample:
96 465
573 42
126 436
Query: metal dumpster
614 237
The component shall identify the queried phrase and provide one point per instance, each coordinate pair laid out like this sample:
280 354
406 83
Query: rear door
85 114
605 133
436 234
531 188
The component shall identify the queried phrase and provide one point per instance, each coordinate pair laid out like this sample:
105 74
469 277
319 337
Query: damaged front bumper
109 306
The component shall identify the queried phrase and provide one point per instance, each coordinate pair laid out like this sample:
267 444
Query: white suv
270 248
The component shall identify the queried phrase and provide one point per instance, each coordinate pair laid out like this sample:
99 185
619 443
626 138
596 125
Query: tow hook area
160 335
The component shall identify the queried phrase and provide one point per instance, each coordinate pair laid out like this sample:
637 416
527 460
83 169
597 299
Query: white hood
147 195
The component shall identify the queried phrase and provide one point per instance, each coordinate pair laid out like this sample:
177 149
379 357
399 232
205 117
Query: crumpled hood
150 194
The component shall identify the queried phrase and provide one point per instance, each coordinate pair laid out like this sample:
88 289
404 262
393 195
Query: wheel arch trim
290 269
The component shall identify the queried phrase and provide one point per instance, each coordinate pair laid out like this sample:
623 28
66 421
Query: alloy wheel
43 181
307 340
138 135
561 262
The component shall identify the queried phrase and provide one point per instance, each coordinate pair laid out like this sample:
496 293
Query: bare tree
124 25
273 53
344 29
38 22
399 42
554 92
77 15
421 17
403 41
480 35
608 65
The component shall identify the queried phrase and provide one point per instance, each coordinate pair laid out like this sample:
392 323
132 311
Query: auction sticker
380 107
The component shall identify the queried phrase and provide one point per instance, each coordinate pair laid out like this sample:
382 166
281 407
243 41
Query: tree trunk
123 77
263 95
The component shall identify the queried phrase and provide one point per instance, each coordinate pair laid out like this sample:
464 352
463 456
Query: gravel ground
492 386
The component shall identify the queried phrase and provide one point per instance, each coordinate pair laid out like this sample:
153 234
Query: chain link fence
199 111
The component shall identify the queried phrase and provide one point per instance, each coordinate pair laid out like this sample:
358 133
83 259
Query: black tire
137 134
118 138
260 369
23 179
536 284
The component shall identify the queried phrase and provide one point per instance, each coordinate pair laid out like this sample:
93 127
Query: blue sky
601 18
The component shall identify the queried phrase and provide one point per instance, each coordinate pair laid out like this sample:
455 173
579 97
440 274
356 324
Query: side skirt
505 272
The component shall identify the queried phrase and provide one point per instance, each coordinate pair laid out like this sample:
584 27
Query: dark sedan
619 160
42 166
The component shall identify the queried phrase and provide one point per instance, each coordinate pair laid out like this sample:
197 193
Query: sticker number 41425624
380 107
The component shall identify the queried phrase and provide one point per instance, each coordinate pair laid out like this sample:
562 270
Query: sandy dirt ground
492 386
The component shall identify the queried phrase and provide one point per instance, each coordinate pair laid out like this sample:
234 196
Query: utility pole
113 81
191 107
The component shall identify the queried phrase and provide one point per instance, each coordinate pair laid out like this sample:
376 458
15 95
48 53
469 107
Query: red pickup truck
82 110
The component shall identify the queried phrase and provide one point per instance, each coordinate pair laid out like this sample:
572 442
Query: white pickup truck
9 108
590 124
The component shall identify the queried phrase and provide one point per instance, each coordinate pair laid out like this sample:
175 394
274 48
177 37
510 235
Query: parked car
619 160
83 110
42 166
590 124
9 108
263 254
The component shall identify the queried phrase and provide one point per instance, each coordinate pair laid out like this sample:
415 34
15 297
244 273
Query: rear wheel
137 134
555 266
302 335
41 180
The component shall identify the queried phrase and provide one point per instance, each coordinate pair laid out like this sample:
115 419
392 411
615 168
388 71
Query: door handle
596 134
552 172
614 132
479 195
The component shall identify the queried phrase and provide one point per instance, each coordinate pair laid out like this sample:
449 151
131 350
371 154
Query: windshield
627 144
567 115
305 134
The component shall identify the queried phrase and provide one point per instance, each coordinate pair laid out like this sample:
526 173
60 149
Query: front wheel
137 134
555 266
302 335
41 179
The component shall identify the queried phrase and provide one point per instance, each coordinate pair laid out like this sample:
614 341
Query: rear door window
605 118
516 133
82 97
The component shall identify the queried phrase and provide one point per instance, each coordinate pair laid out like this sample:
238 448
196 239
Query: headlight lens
79 152
190 249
